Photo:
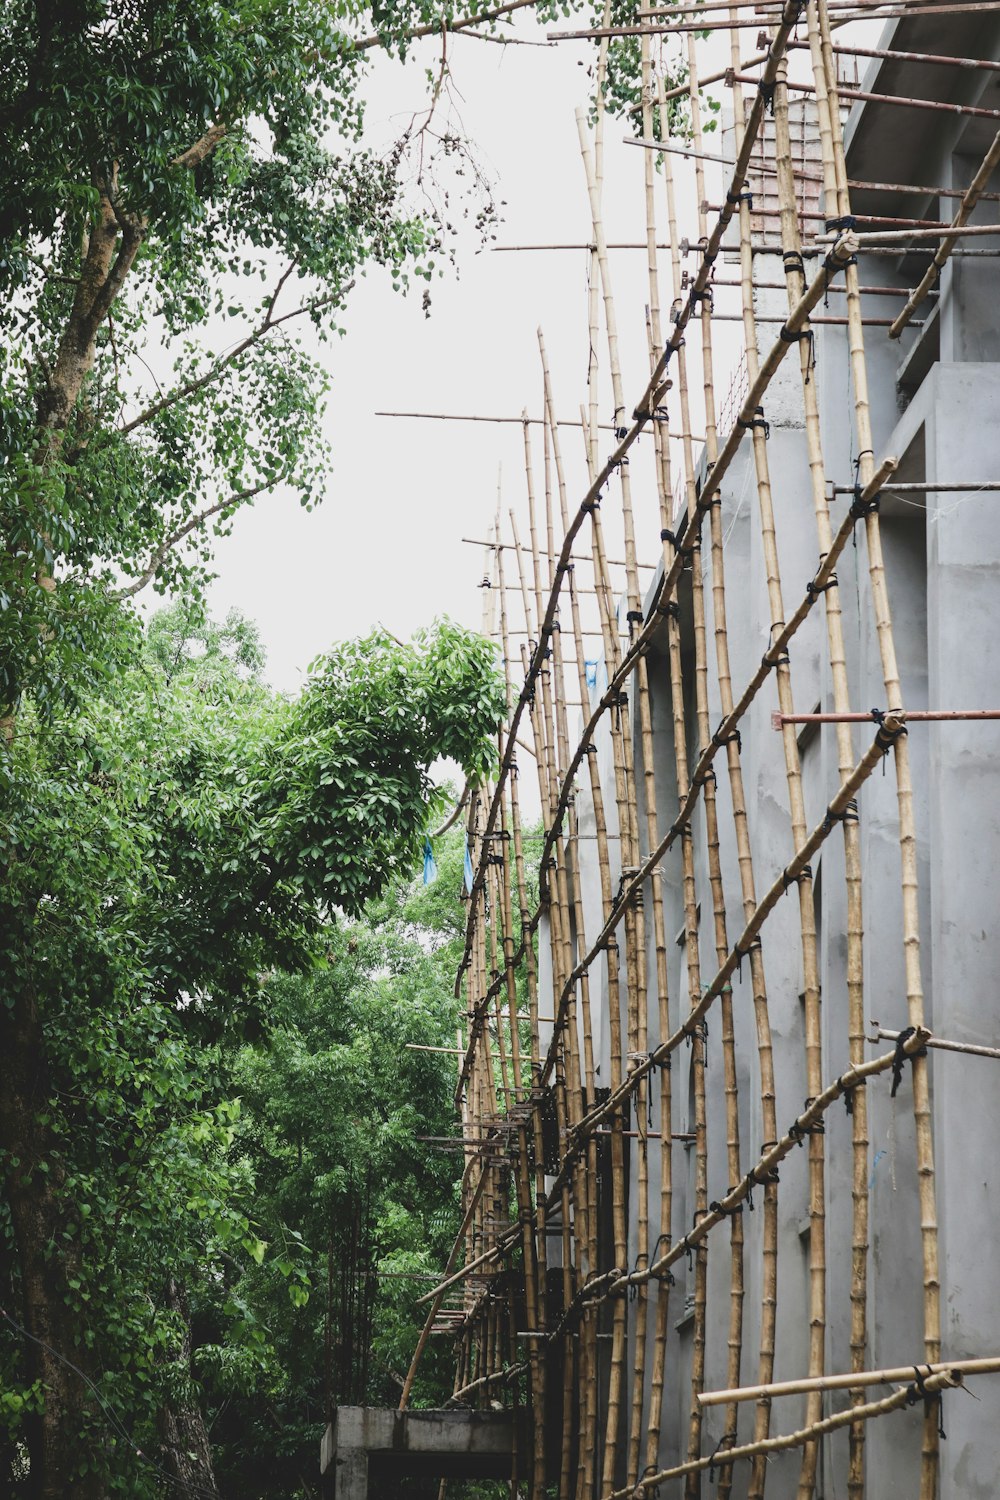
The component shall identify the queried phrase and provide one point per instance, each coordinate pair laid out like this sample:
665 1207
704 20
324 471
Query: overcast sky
386 545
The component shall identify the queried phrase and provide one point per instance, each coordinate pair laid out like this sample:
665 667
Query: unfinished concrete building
729 1089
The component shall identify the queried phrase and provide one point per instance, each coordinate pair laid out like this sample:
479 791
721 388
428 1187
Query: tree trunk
56 1446
187 1452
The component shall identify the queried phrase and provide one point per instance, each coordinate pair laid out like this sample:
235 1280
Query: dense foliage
166 849
181 192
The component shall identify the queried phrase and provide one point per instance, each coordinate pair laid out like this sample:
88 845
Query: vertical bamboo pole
904 783
795 276
799 830
635 950
532 1285
743 846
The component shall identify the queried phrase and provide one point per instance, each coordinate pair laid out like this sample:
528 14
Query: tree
181 189
164 849
333 1104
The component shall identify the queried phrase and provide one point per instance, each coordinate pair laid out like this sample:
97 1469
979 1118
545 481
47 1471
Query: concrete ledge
449 1444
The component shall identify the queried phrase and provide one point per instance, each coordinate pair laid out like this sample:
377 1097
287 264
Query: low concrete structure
370 1444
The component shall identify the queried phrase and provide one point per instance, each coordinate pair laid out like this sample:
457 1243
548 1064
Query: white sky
385 545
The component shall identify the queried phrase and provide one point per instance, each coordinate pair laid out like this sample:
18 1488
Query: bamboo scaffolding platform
631 1269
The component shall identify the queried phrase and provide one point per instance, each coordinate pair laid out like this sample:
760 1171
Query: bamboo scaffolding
932 1386
561 1163
648 405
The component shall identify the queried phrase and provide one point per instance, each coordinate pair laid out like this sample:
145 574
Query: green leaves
349 797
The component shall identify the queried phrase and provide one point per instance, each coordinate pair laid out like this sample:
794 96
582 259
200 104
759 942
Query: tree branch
169 542
365 43
266 326
203 148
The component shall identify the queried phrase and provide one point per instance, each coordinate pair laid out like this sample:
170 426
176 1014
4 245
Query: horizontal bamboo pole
927 487
850 1382
913 716
972 196
943 1044
615 562
935 105
423 1047
855 12
894 236
932 189
974 64
448 416
932 1386
780 286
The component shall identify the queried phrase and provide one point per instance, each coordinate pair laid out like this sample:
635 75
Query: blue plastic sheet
430 867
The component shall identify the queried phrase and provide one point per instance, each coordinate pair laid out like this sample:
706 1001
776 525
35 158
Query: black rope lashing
758 421
900 1056
848 814
814 589
666 535
760 1174
669 607
720 1208
727 1440
719 739
859 505
766 91
831 267
792 261
653 1490
737 198
634 616
843 223
666 1274
849 1095
742 953
787 336
806 873
886 738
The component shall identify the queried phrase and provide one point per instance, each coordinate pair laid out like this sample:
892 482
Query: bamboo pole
856 1378
907 832
972 195
971 1049
588 1342
795 277
533 1246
